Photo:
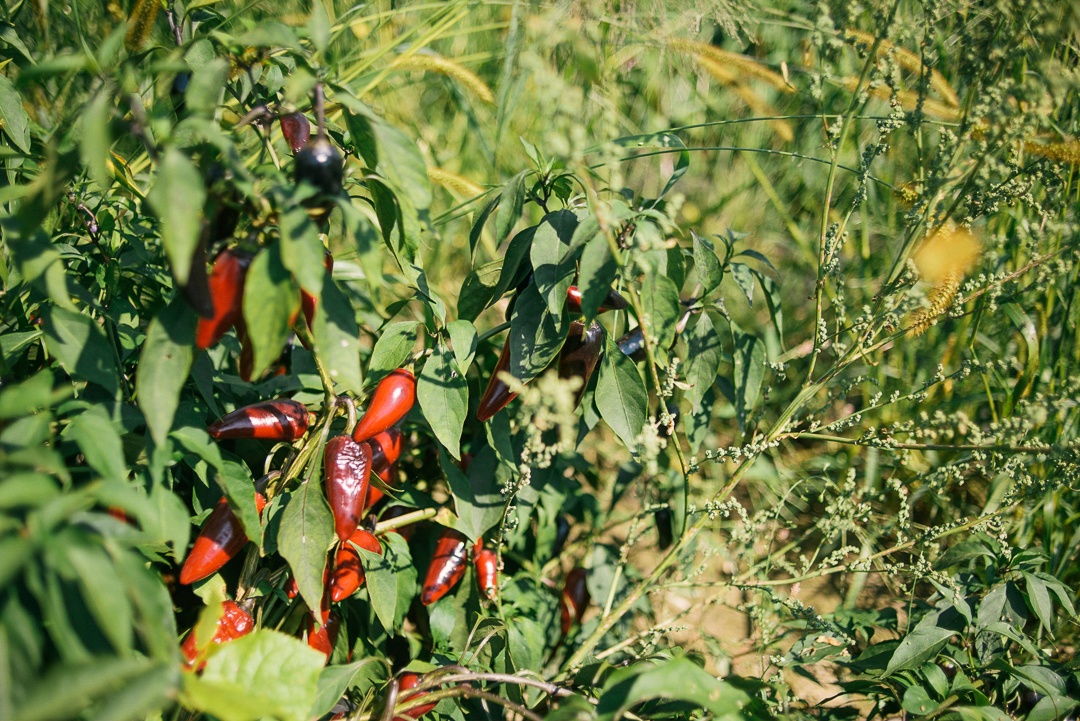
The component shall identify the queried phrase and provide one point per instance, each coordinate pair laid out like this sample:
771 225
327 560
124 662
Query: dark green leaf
536 335
103 593
337 336
478 290
236 482
748 374
660 299
925 640
597 275
478 500
620 395
95 141
704 352
553 267
100 442
140 696
744 278
270 299
305 535
511 201
81 347
917 701
206 86
302 253
394 346
13 118
70 687
336 680
463 339
163 368
706 263
677 679
177 198
381 585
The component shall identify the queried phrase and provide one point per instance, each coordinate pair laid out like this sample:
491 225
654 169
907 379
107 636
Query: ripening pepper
234 623
663 528
277 420
408 681
227 296
322 638
613 301
447 566
562 532
497 394
347 469
487 570
633 344
574 599
579 354
296 129
220 539
348 575
390 403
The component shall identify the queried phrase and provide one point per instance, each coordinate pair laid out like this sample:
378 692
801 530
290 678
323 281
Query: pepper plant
467 360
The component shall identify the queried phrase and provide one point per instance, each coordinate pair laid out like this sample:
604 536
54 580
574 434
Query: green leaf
334 681
514 268
1039 600
381 585
511 202
443 394
140 697
536 335
708 267
318 27
394 346
337 336
661 140
676 679
401 163
744 278
270 299
95 141
164 366
12 345
302 253
660 299
206 86
100 442
305 535
15 551
13 117
396 551
237 484
478 499
925 640
81 347
264 674
748 374
704 350
620 394
177 198
477 290
917 701
102 593
70 687
463 339
597 275
553 267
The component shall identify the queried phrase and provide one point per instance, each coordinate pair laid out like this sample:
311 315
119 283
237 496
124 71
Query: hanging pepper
386 448
278 420
579 354
296 129
633 344
410 680
575 597
663 528
562 532
392 400
227 296
487 570
613 301
220 539
447 566
234 623
348 575
322 638
347 469
497 394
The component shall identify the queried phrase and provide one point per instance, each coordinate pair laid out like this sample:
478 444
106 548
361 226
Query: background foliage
848 232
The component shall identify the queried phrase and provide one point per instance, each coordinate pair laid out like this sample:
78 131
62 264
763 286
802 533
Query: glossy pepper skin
234 623
320 164
390 403
278 420
579 354
487 571
348 575
663 528
227 296
613 301
385 450
347 470
575 597
633 344
562 532
322 638
497 394
408 681
220 539
447 566
296 129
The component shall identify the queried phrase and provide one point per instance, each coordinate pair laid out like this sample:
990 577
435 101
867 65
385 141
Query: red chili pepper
279 420
392 400
447 566
575 597
497 394
348 575
579 354
234 623
386 448
408 681
613 301
347 469
308 301
227 295
393 512
323 637
220 539
487 570
296 130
